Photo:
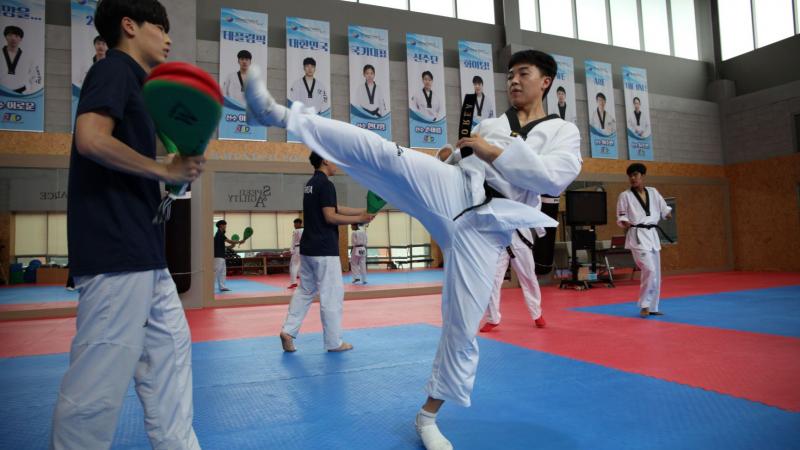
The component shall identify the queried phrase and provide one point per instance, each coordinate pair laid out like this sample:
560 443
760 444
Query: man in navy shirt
320 267
130 319
220 240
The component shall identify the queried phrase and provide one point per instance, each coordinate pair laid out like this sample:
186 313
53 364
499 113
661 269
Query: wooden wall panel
765 213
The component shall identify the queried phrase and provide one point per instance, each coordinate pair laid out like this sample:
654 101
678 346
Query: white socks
262 109
431 437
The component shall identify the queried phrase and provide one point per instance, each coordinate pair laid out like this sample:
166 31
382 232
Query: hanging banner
242 42
308 66
370 106
637 108
561 98
22 66
427 115
477 77
600 98
87 47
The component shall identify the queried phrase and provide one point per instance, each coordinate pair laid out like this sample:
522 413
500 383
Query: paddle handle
170 147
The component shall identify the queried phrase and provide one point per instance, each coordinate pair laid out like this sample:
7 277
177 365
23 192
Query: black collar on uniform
646 203
513 121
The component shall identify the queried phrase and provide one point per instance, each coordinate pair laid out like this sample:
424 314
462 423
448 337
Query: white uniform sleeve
622 210
548 171
662 206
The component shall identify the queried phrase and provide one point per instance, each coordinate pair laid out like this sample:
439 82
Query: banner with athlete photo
637 113
370 100
600 98
87 46
242 43
427 114
561 98
22 71
477 77
308 66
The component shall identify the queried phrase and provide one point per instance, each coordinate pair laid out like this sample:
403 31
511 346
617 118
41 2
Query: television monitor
586 208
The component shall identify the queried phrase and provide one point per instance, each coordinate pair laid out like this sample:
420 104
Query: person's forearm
348 211
340 219
112 153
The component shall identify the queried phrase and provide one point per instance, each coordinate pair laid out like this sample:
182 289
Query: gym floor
719 370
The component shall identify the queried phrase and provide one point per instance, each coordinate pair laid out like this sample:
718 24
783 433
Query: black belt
649 226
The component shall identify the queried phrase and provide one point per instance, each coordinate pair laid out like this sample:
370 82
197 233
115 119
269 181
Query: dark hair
97 39
600 95
13 29
636 167
298 220
544 62
561 89
315 159
221 223
637 98
109 14
428 73
477 80
244 54
308 61
367 67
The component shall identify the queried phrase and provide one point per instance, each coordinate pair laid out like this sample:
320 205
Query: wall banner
370 106
427 121
600 98
561 98
637 111
308 66
477 77
242 42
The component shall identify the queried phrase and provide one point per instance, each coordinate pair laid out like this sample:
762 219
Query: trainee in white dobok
427 103
309 90
294 262
638 211
451 202
369 97
638 122
524 266
358 256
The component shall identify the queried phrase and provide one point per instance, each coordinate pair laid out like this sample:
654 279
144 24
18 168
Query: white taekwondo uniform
358 256
314 94
294 263
644 243
445 199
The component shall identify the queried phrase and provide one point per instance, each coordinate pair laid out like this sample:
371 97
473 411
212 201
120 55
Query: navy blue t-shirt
319 237
219 244
110 213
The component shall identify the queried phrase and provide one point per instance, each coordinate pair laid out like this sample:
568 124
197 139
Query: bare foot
287 342
342 348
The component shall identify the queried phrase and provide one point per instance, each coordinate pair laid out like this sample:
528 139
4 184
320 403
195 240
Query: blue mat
250 395
238 286
36 294
401 277
769 311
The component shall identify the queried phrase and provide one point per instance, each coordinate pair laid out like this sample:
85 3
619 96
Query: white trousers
319 276
220 270
294 267
649 262
524 266
358 264
434 193
129 325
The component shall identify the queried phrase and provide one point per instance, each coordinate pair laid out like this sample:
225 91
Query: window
684 28
557 17
271 230
476 10
40 236
735 27
592 25
625 24
399 4
774 21
397 235
527 15
655 26
437 7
